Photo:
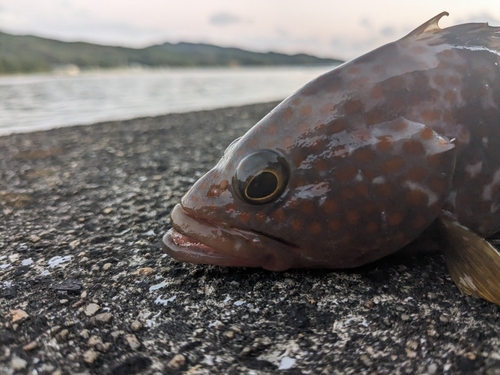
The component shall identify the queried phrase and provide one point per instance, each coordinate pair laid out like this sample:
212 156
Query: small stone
108 210
63 301
177 362
55 330
410 353
444 319
91 309
106 266
84 333
405 317
431 296
74 244
63 335
136 325
32 345
229 334
412 344
90 356
34 238
18 363
132 341
143 271
366 360
83 295
432 368
102 318
94 341
116 334
18 315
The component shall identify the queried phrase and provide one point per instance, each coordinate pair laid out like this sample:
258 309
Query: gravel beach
86 289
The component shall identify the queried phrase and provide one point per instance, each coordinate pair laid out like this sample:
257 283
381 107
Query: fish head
304 188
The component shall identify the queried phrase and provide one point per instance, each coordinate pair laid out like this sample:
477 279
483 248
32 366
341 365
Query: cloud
388 31
224 19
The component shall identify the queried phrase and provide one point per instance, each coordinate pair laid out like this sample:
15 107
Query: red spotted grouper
360 161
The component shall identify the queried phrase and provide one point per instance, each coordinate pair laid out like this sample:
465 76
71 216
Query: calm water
33 102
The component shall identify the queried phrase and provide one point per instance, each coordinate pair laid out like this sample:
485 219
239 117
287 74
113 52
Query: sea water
44 101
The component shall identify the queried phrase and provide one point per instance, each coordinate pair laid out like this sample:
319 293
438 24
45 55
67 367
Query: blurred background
67 62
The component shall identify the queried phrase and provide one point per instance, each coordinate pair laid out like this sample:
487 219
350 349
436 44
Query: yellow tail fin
473 263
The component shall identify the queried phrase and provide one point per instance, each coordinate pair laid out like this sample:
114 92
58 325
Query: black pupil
262 185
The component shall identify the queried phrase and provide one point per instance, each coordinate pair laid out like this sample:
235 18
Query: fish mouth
196 240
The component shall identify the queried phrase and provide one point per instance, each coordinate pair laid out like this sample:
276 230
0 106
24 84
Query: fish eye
261 177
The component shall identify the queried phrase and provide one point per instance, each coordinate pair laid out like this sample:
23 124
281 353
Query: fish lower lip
199 241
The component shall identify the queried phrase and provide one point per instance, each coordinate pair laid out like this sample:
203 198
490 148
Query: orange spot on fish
377 92
419 222
306 110
438 185
334 225
223 184
371 227
395 219
307 207
353 106
287 114
385 143
361 189
346 173
439 80
450 96
288 142
326 109
384 189
296 101
353 217
413 147
398 125
354 70
426 134
329 206
392 165
364 155
416 198
230 207
338 125
417 174
347 193
271 129
261 217
278 216
430 115
320 165
315 228
244 217
296 224
375 116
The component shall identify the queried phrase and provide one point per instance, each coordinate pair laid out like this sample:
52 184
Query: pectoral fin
473 263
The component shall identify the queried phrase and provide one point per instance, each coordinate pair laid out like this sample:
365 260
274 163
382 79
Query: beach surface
86 289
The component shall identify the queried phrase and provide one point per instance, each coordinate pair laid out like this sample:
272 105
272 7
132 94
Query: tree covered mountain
26 54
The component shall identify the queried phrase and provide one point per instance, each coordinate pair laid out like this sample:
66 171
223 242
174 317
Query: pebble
106 266
135 325
94 341
91 309
90 356
177 362
63 335
132 341
32 345
84 333
143 271
102 318
18 315
18 363
405 317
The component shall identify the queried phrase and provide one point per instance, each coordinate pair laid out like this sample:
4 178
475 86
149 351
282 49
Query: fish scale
360 162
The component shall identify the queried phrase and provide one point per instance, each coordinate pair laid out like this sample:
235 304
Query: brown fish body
358 162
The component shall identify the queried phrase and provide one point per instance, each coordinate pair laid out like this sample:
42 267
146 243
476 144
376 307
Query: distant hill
26 54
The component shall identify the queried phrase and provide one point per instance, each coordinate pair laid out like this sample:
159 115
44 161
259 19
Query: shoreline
86 288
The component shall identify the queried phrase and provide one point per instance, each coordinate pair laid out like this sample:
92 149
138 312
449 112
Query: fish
360 162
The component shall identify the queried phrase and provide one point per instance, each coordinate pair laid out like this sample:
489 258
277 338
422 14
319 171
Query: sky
342 29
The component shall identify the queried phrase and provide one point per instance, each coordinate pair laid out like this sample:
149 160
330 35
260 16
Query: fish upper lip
208 242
